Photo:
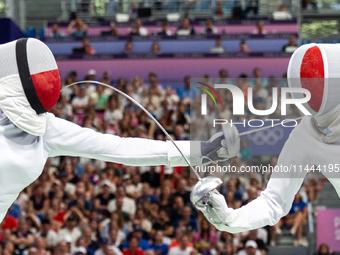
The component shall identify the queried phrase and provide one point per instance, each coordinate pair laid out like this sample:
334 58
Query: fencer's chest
22 156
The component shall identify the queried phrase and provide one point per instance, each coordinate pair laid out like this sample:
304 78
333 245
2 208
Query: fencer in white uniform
29 87
315 141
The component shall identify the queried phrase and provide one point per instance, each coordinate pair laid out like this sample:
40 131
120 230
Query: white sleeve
116 250
111 206
276 200
66 138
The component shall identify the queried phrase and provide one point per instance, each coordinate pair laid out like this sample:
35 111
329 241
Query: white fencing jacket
301 148
23 156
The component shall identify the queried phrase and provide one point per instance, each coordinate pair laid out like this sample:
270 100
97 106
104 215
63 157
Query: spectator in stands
80 250
177 209
91 75
55 31
223 73
209 29
181 190
47 232
296 218
263 92
259 30
133 12
22 238
9 222
158 244
63 109
105 248
122 202
141 235
152 178
220 9
232 199
184 28
102 199
183 248
323 250
205 233
39 201
245 151
134 188
137 28
282 13
186 221
40 244
31 251
252 194
179 135
146 195
80 202
163 222
80 102
184 93
112 31
308 5
252 5
133 247
243 48
80 28
298 214
114 113
128 47
291 46
154 84
106 78
218 46
86 47
313 186
71 232
164 29
155 48
98 99
258 82
250 249
253 235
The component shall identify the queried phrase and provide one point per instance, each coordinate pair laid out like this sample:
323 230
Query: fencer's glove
221 146
214 207
327 130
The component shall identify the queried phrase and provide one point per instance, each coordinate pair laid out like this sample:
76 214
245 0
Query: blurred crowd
85 206
78 28
235 9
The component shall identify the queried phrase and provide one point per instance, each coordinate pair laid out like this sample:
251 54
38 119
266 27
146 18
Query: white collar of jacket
16 107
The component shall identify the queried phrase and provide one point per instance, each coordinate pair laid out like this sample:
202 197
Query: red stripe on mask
312 75
47 87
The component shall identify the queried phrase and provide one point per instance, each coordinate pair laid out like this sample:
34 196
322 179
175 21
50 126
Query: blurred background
154 50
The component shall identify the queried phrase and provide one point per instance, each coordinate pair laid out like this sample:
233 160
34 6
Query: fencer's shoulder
305 122
49 117
53 122
304 127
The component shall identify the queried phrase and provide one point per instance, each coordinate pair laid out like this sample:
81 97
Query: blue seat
305 42
112 7
41 32
203 5
31 32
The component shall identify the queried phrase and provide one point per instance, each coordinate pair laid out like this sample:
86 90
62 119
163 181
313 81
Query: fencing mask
316 67
29 83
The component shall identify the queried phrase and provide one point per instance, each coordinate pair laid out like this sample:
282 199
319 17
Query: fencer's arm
276 200
66 138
